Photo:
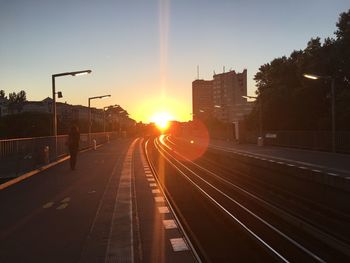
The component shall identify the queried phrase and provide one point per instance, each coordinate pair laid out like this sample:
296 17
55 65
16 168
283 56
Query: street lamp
122 115
104 115
54 113
195 115
260 114
89 99
316 77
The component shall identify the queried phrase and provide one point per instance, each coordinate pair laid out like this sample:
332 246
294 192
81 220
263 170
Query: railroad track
319 219
241 211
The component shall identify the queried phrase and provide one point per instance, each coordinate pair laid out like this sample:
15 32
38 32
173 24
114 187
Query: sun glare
162 119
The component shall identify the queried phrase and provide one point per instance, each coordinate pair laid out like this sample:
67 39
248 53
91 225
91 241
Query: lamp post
54 113
121 119
104 115
89 102
260 114
196 115
217 110
332 80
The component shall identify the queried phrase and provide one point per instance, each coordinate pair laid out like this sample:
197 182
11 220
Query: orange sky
145 53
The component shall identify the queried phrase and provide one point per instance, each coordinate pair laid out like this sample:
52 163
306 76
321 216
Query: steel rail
255 236
167 197
306 201
297 220
295 243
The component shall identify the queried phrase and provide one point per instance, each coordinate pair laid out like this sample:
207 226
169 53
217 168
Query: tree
292 102
343 26
21 96
16 101
2 94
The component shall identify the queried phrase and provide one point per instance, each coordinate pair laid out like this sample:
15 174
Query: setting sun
161 119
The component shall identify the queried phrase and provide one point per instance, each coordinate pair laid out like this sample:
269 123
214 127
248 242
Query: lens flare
162 119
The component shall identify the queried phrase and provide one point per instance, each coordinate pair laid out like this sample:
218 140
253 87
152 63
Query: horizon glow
145 53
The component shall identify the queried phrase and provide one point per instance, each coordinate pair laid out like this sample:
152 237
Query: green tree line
289 101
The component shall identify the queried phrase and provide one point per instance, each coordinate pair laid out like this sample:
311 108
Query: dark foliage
292 102
16 101
25 125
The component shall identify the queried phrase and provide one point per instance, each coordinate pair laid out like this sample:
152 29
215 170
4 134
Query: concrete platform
108 210
330 169
334 163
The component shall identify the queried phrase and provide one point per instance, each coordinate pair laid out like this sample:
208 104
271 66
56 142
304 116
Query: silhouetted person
73 145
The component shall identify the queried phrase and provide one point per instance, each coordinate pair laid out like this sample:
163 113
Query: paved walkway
333 163
108 210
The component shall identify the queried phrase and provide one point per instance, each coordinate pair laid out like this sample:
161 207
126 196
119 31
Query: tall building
221 97
202 99
228 89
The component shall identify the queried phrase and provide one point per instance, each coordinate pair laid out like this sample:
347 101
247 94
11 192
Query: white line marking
163 210
120 242
29 174
232 216
155 191
302 167
333 174
48 205
291 165
62 206
169 224
178 244
280 162
150 180
149 175
159 199
272 161
317 171
153 185
66 200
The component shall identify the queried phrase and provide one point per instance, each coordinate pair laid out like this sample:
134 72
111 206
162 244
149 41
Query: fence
18 156
314 140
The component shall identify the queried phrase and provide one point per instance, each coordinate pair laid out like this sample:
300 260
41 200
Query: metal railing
18 156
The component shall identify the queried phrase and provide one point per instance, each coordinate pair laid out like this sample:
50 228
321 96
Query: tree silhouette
16 101
2 94
292 102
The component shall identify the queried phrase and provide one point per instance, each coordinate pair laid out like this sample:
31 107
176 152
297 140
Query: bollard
46 154
260 141
94 144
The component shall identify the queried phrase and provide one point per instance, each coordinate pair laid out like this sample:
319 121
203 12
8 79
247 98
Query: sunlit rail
167 196
173 158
